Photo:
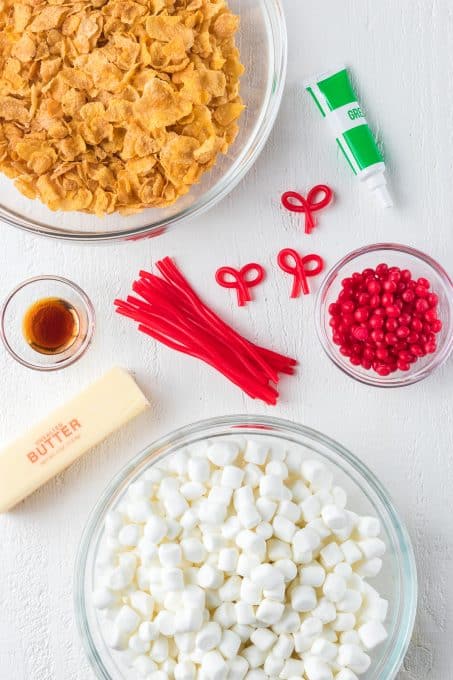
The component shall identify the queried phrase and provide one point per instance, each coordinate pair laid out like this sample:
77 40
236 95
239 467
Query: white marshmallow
209 577
229 644
324 649
346 674
354 658
173 579
310 508
221 494
271 486
139 510
192 490
243 496
284 646
175 505
343 569
254 656
305 540
303 598
256 452
225 615
231 527
325 611
266 508
166 623
317 474
143 603
273 666
351 551
287 568
334 587
312 575
252 475
246 563
129 535
263 638
214 666
223 452
269 611
277 593
368 527
251 592
198 469
170 554
339 496
193 550
237 668
104 598
228 559
148 631
266 576
211 512
284 528
372 547
376 609
194 597
249 516
331 555
265 530
245 614
278 550
293 668
317 669
185 670
350 602
344 622
127 620
209 636
370 568
189 519
372 634
231 589
250 542
243 631
137 645
144 665
277 467
185 642
334 517
232 476
113 523
299 491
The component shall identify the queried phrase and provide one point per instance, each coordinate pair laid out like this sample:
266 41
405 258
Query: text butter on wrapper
69 432
336 100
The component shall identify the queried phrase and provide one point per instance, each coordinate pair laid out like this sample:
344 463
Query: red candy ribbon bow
291 262
227 277
295 202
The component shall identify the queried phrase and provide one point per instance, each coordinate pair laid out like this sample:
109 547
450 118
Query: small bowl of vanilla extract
47 323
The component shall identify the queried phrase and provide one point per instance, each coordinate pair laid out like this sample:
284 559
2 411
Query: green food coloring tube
336 100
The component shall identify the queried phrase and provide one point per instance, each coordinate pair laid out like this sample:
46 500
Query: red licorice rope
171 312
240 279
295 202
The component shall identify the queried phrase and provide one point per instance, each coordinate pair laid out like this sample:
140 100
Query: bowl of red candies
384 315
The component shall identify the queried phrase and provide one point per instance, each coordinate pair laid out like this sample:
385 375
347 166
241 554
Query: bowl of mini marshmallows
245 548
384 315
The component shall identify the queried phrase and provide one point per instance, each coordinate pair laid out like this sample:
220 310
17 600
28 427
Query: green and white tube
335 98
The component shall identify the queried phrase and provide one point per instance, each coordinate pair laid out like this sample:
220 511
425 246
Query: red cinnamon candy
170 311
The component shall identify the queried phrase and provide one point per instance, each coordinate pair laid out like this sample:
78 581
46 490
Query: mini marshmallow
194 597
231 589
231 527
256 452
148 631
214 666
277 593
310 508
104 598
137 645
143 603
273 666
269 611
289 510
254 656
144 665
277 467
198 469
343 569
334 517
113 523
331 555
243 631
221 494
284 528
185 670
302 643
265 530
350 602
339 496
249 516
312 575
193 550
346 674
246 563
324 649
175 505
372 634
127 620
376 609
209 577
223 452
250 542
266 576
354 658
370 568
299 491
192 490
372 547
209 636
228 559
245 614
173 579
344 622
334 587
129 535
189 519
271 486
303 598
263 638
368 527
317 474
159 650
317 669
319 527
351 551
266 508
211 512
237 668
278 550
292 669
225 615
232 476
166 623
252 475
287 568
305 540
139 510
185 642
170 554
229 644
325 611
251 592
212 541
284 646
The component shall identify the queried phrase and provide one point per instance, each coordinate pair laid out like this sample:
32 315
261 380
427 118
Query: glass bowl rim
242 422
412 377
243 163
72 358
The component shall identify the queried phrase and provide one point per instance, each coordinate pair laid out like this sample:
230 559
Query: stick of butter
70 431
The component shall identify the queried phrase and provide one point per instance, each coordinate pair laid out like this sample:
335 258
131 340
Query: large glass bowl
263 46
395 255
397 581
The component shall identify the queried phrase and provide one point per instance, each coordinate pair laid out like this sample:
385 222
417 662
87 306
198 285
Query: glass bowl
397 581
262 32
420 265
18 303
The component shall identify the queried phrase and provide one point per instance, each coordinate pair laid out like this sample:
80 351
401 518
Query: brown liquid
50 325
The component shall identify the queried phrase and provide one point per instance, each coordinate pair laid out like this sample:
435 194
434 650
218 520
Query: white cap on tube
377 183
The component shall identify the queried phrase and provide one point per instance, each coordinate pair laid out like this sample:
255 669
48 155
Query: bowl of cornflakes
120 118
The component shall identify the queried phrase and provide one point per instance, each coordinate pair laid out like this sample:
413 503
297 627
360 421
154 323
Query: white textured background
401 52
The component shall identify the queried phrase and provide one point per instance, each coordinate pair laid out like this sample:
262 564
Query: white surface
401 54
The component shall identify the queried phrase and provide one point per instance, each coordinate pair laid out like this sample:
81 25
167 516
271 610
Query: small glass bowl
262 42
404 257
397 581
20 300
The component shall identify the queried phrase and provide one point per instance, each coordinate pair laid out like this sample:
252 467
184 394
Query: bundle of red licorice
171 312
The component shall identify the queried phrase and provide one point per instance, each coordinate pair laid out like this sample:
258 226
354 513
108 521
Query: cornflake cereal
115 105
